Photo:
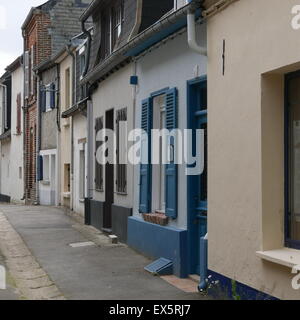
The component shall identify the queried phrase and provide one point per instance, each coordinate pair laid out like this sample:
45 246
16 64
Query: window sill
285 256
45 183
67 195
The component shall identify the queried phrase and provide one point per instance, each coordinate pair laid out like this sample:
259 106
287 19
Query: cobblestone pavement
43 251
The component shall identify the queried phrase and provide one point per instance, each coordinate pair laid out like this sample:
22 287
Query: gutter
120 54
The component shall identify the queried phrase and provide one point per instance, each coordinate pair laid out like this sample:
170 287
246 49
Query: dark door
109 178
197 184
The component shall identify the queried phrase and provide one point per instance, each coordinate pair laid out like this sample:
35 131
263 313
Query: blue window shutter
145 169
172 168
40 168
52 95
42 99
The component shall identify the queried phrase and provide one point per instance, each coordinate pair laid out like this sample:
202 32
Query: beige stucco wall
65 134
246 160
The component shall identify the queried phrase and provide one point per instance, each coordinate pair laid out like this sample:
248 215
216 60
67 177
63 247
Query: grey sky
12 16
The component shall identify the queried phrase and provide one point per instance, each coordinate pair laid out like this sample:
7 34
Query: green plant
234 291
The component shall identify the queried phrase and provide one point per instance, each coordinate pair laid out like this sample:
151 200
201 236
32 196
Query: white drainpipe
191 26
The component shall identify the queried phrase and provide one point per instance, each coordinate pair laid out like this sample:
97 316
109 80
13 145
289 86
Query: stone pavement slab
102 272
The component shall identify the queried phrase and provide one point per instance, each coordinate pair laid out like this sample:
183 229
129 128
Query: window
158 170
160 111
117 16
27 73
68 89
112 21
50 97
179 3
32 79
99 168
46 167
67 178
121 181
19 115
293 160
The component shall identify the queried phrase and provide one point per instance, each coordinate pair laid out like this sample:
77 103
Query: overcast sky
12 16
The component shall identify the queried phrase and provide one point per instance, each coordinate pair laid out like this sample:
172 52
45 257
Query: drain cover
82 244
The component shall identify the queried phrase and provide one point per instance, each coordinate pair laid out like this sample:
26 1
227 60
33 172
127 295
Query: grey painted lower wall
120 217
4 198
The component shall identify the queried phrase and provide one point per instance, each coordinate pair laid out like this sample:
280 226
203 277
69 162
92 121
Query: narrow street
50 256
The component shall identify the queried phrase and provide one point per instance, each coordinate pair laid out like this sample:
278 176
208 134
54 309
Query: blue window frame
292 160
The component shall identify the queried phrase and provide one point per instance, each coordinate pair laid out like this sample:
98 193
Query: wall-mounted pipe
191 31
203 263
191 28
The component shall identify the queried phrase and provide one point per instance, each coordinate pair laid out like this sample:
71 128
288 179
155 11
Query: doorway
197 184
109 176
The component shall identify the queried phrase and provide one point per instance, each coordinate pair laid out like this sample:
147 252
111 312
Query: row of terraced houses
228 67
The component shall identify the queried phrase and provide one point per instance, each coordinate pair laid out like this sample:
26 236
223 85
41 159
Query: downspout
192 42
5 98
24 125
71 54
38 139
89 121
191 29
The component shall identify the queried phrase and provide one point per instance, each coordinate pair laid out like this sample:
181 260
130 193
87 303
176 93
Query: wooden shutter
52 96
40 168
121 180
146 169
172 168
99 168
42 101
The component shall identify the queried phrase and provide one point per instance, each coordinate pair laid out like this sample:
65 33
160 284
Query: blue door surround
196 199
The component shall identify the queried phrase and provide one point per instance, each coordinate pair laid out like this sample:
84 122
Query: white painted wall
116 93
12 182
171 65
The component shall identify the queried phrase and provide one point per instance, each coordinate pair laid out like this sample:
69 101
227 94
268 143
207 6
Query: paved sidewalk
110 272
11 292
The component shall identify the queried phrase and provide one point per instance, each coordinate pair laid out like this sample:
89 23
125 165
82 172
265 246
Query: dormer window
112 21
179 3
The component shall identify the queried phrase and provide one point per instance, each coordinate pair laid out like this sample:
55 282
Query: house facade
11 139
253 196
170 206
74 120
46 30
48 128
111 94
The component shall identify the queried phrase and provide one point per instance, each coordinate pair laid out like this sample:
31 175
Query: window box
156 218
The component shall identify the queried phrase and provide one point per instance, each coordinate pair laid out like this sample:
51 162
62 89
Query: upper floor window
112 21
179 3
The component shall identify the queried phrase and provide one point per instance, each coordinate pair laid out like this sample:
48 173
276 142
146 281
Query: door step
194 277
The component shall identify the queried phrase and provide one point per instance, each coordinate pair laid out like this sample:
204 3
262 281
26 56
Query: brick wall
36 34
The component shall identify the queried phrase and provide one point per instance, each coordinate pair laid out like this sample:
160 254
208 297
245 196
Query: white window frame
48 97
